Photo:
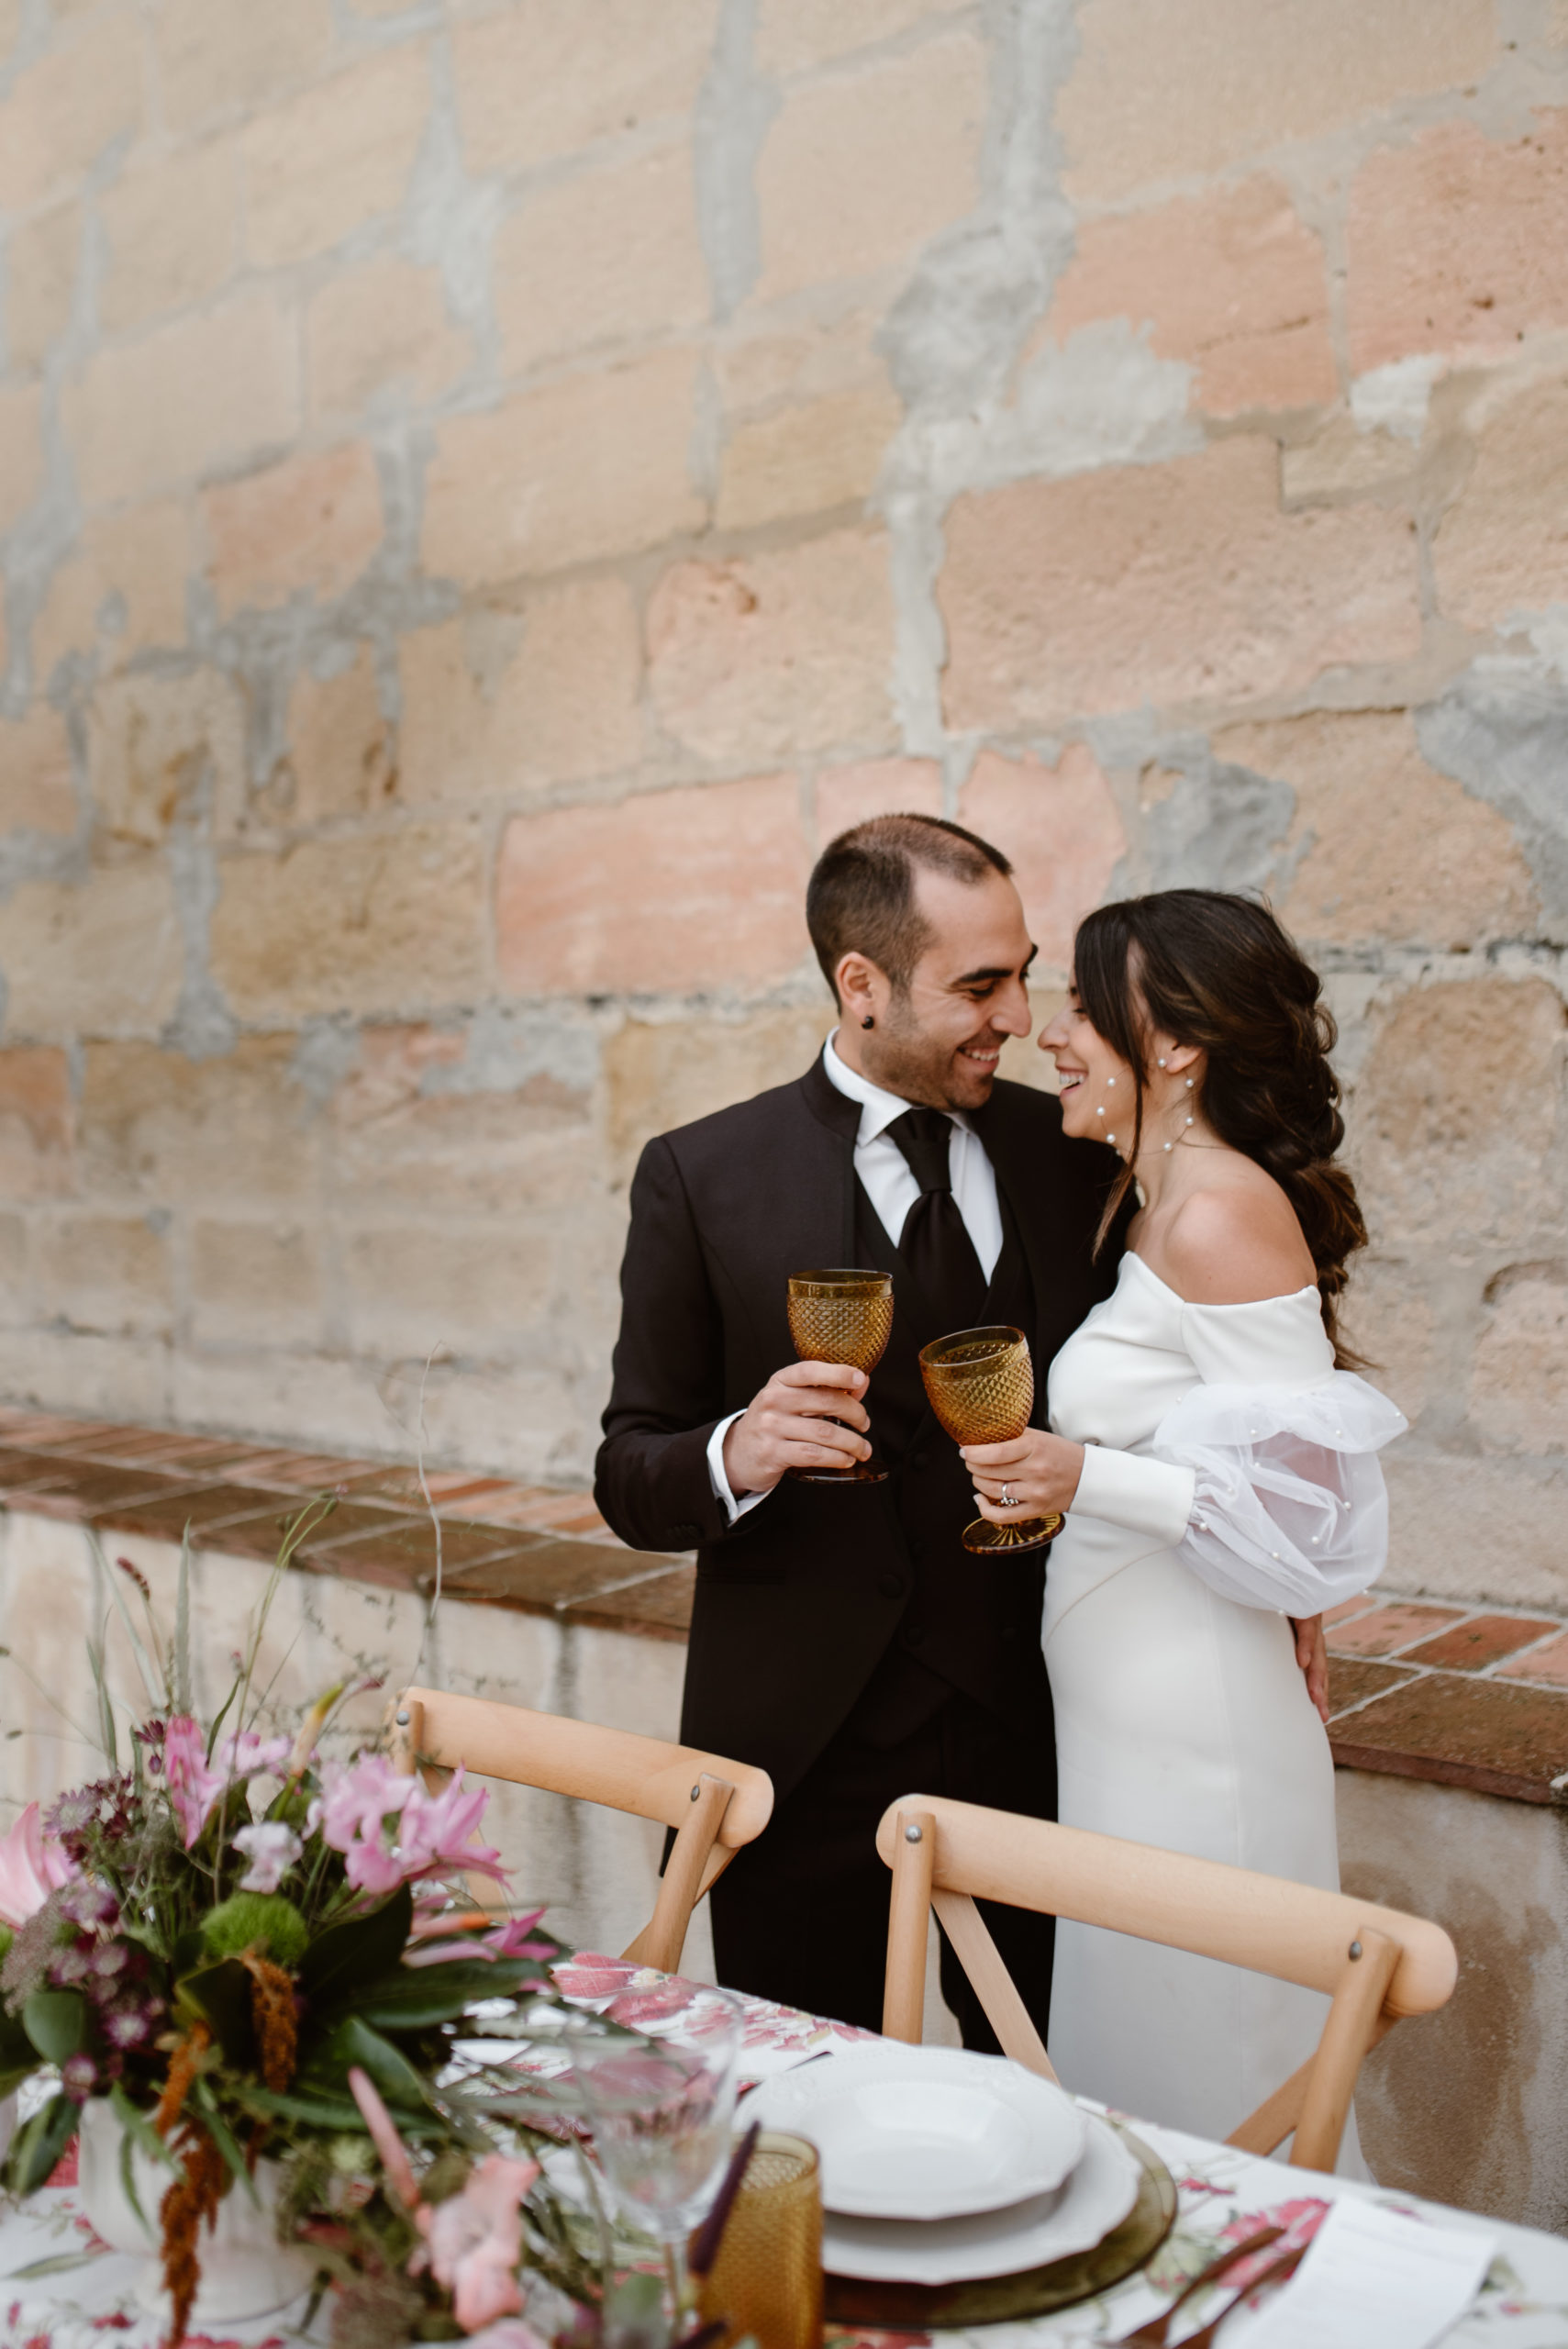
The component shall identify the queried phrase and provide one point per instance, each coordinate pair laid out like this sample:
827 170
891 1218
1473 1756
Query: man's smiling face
939 1041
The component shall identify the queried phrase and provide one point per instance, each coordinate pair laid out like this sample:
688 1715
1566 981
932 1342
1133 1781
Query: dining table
60 2288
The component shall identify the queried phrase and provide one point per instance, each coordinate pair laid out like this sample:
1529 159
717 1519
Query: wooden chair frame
714 1806
1376 1964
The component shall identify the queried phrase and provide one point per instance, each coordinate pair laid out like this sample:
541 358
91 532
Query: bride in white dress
1219 1476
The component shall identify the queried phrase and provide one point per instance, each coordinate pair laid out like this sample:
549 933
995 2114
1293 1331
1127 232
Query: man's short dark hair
860 897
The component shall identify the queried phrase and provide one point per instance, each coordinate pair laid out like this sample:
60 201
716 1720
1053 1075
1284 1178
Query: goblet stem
678 2282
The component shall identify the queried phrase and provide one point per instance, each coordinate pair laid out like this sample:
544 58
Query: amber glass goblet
844 1316
980 1384
767 2279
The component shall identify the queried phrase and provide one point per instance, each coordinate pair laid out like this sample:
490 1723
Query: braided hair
1218 971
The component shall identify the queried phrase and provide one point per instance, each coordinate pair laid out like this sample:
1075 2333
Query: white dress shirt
892 1189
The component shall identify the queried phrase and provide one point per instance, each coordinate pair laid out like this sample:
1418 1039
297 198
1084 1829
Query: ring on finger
1007 1500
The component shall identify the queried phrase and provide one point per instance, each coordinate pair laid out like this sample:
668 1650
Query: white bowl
926 2133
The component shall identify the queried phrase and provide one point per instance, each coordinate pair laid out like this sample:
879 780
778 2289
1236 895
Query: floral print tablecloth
60 2288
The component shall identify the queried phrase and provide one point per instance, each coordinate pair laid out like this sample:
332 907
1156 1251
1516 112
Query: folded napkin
1373 2279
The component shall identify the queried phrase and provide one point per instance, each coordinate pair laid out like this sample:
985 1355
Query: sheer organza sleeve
1289 1507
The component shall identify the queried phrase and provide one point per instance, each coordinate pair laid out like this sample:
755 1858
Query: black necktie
935 1242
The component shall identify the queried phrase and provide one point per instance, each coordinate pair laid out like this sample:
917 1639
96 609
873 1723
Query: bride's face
1096 1084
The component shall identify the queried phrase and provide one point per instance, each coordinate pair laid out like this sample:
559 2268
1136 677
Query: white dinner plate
1098 2197
926 2133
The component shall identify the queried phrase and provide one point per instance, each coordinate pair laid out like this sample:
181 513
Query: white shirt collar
878 1108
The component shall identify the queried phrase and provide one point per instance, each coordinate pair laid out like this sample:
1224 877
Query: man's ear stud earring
868 1021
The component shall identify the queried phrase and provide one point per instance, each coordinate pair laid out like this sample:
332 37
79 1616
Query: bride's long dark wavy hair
1211 969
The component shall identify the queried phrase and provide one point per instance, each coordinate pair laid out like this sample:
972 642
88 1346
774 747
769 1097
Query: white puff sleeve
1264 1477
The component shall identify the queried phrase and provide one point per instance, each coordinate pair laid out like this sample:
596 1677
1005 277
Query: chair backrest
1376 1964
714 1805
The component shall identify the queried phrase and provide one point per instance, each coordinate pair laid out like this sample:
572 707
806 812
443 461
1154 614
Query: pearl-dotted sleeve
1281 1495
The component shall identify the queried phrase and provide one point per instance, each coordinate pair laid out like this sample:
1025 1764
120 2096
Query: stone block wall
488 487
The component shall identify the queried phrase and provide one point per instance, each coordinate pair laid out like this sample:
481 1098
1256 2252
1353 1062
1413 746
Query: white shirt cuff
1126 1489
733 1510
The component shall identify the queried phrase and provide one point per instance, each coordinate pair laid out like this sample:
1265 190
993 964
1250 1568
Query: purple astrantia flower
88 1904
79 2078
194 1785
132 2023
272 1847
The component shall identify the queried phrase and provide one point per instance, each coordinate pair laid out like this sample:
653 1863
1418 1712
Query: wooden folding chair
1376 1963
715 1805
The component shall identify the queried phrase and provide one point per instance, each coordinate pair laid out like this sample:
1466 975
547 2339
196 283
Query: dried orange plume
183 2067
194 2196
273 2013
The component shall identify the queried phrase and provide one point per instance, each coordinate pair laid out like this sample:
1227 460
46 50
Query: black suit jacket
798 1601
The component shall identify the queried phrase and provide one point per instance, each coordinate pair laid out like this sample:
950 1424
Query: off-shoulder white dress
1231 1481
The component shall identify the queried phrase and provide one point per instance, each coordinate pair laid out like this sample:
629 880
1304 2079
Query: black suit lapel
841 1117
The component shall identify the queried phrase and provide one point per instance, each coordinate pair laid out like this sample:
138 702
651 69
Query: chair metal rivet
912 1835
402 1720
696 1792
1355 1949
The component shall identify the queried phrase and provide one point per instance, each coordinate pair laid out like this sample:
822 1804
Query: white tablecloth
57 2290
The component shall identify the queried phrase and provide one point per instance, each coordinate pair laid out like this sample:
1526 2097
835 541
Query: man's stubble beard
905 1060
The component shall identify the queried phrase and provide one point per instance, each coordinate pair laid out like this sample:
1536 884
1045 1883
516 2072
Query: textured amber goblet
980 1384
767 2279
842 1315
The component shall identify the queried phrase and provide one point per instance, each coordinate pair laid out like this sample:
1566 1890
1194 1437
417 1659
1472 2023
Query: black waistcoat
946 1636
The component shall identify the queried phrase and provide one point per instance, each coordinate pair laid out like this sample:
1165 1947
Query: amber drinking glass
844 1316
980 1384
767 2279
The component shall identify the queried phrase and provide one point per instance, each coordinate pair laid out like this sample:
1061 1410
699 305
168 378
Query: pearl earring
1161 1059
1189 1085
1110 1082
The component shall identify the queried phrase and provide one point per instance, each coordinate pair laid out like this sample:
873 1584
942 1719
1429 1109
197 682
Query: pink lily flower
436 1829
194 1786
514 1938
31 1867
474 2241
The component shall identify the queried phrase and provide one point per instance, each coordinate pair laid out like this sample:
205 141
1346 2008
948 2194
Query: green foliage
38 2145
335 1967
219 1996
264 1921
56 2022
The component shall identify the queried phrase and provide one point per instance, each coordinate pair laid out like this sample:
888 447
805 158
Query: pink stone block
1388 1629
1548 1665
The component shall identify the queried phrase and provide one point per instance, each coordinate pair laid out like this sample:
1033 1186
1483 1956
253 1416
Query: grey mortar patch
1501 730
202 1027
1222 827
327 1051
505 1048
734 107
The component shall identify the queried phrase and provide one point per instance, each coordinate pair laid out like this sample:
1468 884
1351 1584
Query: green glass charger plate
992 2300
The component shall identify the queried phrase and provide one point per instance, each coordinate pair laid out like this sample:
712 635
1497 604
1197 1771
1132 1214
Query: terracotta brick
222 53
369 923
1444 242
1231 281
671 889
340 754
41 256
105 1273
1461 1731
1166 584
1161 94
37 792
102 959
254 1280
806 460
607 257
503 702
1518 1385
36 1124
1547 1663
21 452
1348 1608
1432 1156
155 742
1504 546
381 327
542 78
339 154
124 590
1394 851
792 34
769 654
1390 1630
1061 828
171 229
856 174
590 467
852 794
1352 1682
65 110
155 1125
308 526
660 1073
200 390
1472 1646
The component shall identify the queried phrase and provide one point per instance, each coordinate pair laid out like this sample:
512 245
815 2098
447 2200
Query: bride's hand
1039 1471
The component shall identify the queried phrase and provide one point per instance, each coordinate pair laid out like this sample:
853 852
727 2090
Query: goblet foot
860 1472
1028 1533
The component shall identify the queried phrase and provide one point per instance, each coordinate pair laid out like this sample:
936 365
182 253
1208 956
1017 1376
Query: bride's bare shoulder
1234 1242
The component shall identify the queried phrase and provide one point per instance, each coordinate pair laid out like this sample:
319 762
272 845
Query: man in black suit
842 1637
